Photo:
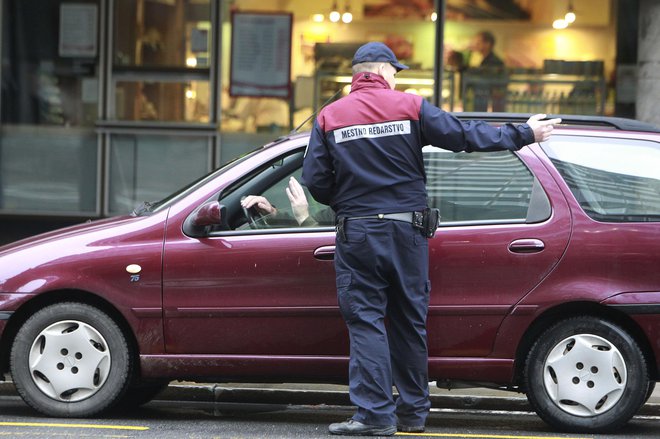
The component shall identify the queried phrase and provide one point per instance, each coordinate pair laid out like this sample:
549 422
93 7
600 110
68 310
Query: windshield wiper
146 206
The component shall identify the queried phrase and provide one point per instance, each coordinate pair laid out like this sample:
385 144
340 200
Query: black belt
406 217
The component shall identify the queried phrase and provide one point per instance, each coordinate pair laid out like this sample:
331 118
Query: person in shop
491 75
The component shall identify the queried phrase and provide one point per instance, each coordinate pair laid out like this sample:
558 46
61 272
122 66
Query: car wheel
586 375
70 360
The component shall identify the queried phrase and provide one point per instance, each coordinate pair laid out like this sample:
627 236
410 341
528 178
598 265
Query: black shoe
355 428
410 428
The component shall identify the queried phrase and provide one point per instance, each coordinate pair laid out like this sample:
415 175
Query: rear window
614 180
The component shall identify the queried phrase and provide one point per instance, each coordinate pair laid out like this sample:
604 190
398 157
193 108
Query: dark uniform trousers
382 271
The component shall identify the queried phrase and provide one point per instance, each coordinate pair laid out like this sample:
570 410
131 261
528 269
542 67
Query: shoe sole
371 432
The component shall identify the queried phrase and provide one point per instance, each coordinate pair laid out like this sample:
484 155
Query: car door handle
325 253
526 246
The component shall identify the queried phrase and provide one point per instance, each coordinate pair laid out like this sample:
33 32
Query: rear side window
614 180
483 188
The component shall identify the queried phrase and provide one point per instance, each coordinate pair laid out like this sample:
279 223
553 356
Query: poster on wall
260 54
77 30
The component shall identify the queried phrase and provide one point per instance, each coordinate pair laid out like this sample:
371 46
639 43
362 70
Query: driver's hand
260 203
299 204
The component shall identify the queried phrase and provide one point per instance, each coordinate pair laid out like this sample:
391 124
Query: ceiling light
570 15
347 17
560 23
335 16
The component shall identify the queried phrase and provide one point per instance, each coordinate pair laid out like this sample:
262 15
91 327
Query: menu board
77 30
260 54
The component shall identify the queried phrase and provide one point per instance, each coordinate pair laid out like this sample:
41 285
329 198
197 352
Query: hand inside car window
299 206
297 198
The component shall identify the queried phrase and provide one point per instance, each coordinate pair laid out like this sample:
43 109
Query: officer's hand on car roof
542 128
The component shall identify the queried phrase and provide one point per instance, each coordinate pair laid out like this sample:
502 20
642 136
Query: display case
330 86
564 88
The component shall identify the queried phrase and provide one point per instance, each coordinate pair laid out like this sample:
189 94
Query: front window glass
612 179
270 183
482 188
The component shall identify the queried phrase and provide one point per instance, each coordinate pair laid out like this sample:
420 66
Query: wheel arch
20 316
569 310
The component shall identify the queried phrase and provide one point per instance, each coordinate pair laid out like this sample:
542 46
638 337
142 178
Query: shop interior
551 65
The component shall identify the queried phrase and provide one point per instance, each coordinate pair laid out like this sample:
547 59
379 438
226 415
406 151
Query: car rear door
504 227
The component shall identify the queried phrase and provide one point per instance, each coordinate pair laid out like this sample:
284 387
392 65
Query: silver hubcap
69 361
585 375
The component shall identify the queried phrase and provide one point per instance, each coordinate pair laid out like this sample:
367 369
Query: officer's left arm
318 173
443 130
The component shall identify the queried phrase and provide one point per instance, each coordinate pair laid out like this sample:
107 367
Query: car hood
77 248
63 233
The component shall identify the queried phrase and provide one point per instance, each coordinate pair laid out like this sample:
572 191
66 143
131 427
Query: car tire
650 391
586 375
140 393
70 360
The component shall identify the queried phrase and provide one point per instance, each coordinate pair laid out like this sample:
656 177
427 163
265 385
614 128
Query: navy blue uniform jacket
365 152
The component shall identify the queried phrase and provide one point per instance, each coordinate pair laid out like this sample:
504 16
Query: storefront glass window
321 51
150 167
524 57
161 61
50 100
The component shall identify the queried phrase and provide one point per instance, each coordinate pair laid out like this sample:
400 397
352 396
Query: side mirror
201 220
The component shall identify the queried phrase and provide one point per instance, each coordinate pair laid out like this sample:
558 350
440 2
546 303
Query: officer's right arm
318 174
443 130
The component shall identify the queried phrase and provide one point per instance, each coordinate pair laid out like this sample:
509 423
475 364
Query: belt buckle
381 216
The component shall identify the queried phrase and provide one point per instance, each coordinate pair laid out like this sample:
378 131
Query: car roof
568 121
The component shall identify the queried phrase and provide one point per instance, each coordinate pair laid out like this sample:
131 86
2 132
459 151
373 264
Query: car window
494 187
615 180
271 182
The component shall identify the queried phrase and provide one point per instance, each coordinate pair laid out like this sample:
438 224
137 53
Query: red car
544 273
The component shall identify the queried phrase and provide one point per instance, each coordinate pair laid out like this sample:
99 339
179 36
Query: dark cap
377 52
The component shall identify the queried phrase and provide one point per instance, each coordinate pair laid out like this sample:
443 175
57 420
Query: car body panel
92 258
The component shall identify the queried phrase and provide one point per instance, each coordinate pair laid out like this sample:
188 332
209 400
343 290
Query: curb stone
335 395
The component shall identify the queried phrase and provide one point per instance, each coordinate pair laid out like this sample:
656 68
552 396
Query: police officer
364 159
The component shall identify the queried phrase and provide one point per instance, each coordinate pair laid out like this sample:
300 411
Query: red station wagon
545 280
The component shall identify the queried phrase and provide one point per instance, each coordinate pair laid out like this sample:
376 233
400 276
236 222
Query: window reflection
161 61
149 33
169 101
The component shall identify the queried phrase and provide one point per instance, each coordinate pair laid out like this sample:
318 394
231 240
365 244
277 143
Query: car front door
262 288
